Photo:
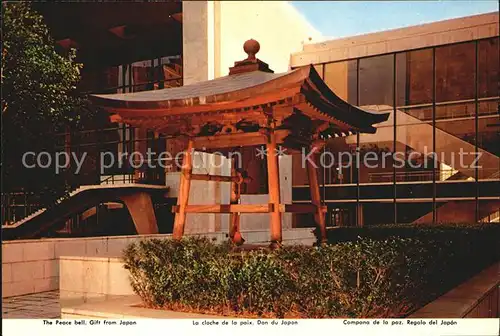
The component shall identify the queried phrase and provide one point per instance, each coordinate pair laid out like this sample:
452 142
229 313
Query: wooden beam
185 185
251 208
322 127
318 145
316 199
114 118
226 208
217 178
237 139
234 225
274 189
296 143
227 117
312 112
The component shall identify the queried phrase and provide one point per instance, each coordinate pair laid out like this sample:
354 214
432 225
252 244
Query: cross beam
250 208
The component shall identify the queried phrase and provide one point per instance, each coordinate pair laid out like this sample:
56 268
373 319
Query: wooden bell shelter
252 106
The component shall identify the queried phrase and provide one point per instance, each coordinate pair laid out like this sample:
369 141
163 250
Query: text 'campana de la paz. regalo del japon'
252 106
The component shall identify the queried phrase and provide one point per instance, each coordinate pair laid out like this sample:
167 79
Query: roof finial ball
251 47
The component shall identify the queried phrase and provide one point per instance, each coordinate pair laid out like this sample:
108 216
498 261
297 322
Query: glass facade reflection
442 100
103 136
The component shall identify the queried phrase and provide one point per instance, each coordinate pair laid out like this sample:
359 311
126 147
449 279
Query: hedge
376 275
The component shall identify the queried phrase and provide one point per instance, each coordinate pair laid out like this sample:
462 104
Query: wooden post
359 209
273 183
316 198
234 230
185 185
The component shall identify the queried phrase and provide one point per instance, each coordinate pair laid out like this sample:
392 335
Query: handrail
377 177
125 178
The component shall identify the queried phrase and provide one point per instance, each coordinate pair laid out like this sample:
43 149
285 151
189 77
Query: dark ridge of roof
342 109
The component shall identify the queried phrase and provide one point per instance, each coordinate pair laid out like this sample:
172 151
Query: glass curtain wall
420 166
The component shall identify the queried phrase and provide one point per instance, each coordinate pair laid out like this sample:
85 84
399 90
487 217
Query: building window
422 187
414 77
319 69
341 78
455 72
488 68
376 80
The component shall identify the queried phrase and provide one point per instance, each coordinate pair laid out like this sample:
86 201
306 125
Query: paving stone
37 306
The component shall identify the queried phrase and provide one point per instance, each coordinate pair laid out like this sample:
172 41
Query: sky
336 19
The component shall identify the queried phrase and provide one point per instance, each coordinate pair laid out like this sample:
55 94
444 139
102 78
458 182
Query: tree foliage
39 96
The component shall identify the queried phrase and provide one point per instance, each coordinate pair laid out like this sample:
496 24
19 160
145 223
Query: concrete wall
214 33
198 37
32 266
29 267
421 36
91 279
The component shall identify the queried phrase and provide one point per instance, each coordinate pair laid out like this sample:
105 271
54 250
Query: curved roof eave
239 91
221 90
349 112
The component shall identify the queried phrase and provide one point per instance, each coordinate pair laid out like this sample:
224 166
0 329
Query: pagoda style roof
200 93
296 99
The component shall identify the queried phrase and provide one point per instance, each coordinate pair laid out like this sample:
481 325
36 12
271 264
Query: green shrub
260 285
375 275
193 272
456 250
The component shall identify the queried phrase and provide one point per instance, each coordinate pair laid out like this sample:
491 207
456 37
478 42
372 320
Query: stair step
39 211
59 201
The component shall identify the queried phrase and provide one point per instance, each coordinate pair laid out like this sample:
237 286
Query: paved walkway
35 306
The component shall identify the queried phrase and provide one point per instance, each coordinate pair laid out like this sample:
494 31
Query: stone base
126 307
